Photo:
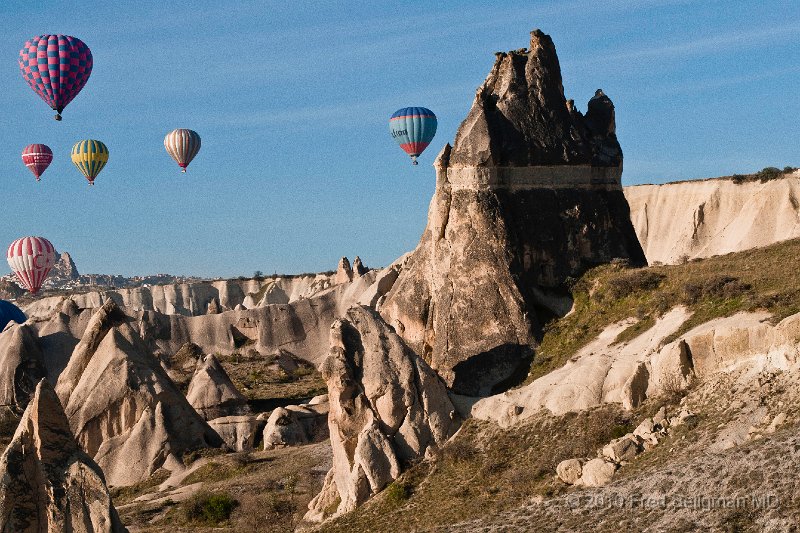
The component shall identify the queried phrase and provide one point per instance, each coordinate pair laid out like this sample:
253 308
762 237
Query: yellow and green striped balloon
90 156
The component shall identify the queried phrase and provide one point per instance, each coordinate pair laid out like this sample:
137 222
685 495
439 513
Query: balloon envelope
37 157
56 67
31 259
90 156
182 145
413 128
9 312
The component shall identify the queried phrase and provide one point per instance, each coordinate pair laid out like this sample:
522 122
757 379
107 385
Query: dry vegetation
485 470
260 377
760 279
261 491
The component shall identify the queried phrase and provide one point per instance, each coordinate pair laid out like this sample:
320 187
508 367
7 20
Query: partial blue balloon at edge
9 312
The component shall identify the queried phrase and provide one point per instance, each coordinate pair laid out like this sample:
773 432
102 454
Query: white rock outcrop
626 373
701 218
47 483
122 407
238 432
212 393
296 424
387 406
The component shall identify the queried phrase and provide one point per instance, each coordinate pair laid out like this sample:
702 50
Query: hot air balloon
9 312
413 128
90 157
56 67
31 259
182 145
37 157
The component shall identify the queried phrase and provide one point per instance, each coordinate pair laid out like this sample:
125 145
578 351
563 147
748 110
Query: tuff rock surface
47 483
122 407
387 407
676 222
528 197
299 326
296 424
21 367
212 393
344 272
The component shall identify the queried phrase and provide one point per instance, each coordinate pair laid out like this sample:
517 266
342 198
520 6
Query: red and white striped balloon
37 157
31 259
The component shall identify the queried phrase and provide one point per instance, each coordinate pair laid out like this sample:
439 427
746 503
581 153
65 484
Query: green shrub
209 508
769 173
398 492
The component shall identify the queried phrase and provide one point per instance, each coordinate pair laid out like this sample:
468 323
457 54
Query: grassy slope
485 470
260 378
271 489
764 278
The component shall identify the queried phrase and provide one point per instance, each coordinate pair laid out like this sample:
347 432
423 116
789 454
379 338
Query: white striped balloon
182 145
31 259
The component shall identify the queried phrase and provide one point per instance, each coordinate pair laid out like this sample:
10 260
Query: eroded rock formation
47 483
528 197
299 326
344 272
212 393
122 407
387 407
21 367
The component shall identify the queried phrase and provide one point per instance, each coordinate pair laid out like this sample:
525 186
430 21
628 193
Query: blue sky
292 101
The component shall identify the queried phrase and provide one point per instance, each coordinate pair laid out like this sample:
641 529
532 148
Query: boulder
623 449
570 470
648 431
597 473
634 392
387 408
528 196
296 424
47 483
238 432
212 393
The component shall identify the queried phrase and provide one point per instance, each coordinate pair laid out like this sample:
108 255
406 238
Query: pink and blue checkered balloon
56 67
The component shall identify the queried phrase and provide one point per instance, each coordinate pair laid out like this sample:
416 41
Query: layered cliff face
694 219
528 197
293 322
